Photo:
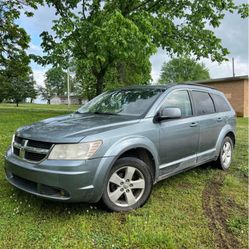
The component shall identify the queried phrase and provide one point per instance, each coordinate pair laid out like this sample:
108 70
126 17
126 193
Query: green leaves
56 81
16 80
183 69
243 10
108 39
13 38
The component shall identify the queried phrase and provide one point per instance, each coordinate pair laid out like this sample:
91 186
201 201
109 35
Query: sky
233 31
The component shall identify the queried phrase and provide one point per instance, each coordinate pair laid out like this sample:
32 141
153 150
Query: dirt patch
122 218
217 215
184 185
233 205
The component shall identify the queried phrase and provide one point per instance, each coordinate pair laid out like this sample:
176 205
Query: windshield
133 102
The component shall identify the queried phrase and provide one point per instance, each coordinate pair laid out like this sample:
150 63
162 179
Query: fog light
8 174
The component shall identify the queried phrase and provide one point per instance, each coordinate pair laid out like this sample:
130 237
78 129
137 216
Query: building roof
220 80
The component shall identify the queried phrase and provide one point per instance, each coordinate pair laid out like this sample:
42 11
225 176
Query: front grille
16 151
34 156
18 140
38 144
30 149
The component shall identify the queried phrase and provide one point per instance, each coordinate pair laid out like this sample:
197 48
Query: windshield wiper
105 113
77 112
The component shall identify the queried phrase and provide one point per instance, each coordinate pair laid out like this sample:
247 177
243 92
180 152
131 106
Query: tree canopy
13 39
55 83
183 69
107 37
16 79
111 41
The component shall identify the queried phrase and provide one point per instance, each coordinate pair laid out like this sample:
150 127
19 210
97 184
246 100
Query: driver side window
179 99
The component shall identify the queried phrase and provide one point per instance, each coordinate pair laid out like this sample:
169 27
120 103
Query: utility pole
233 66
68 86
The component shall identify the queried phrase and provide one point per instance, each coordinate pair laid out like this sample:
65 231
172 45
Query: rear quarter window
220 103
203 103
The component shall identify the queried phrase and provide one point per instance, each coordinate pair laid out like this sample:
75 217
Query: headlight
79 151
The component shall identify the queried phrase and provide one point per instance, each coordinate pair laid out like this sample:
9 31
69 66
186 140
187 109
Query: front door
179 138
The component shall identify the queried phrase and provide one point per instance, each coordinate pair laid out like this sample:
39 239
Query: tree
46 93
16 79
55 83
102 34
183 69
13 38
16 82
123 73
31 91
56 80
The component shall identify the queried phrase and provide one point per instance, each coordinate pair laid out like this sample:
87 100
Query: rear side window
181 100
220 103
203 103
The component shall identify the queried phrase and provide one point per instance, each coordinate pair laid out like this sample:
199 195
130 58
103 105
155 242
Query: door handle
194 124
219 119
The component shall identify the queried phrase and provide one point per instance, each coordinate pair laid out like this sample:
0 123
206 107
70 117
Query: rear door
210 124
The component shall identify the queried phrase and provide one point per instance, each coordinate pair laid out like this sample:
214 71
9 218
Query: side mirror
169 113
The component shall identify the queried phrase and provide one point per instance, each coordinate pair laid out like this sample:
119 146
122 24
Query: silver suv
122 142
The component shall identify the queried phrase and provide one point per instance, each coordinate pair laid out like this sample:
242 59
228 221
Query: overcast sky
233 31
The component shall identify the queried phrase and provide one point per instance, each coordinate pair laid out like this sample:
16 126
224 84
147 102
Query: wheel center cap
126 186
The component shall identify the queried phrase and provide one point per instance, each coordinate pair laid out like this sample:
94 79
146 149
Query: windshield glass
134 102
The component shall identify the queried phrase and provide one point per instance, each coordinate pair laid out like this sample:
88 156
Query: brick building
236 90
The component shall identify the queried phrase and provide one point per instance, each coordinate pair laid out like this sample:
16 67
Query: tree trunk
31 100
17 103
100 83
48 101
121 72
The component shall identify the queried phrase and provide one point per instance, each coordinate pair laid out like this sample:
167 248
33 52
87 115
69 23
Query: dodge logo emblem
22 149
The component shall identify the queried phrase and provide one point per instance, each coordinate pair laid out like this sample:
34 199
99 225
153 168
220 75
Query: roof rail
195 84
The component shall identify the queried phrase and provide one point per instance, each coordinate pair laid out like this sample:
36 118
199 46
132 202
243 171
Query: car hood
74 127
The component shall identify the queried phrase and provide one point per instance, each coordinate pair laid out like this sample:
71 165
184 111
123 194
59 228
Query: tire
128 185
225 157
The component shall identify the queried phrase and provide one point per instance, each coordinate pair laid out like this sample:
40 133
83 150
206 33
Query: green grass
174 217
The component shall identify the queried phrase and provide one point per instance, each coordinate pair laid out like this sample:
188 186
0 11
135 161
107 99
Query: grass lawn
202 208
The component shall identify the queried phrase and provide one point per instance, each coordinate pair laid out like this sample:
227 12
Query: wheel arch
140 146
143 154
226 131
232 136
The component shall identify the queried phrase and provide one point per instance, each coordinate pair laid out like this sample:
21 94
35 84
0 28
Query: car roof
166 86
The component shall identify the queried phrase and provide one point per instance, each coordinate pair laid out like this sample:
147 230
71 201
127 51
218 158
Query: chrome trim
24 148
177 161
30 149
187 158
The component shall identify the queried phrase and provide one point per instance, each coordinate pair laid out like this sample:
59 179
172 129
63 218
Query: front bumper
70 181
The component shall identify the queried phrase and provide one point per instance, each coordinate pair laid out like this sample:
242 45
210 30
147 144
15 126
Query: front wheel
225 158
128 185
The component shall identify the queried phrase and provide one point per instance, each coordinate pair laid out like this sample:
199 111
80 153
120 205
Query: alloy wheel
226 154
126 186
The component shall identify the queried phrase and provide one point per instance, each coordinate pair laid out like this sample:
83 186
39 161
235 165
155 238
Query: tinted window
220 103
179 99
203 103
